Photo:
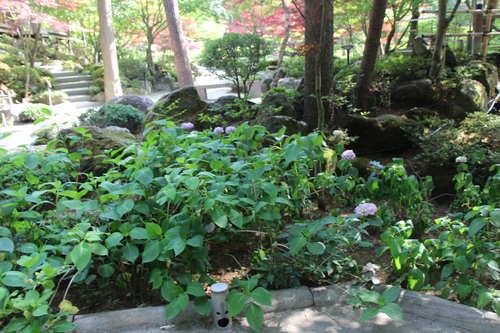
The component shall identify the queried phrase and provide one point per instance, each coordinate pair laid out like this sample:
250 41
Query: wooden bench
202 89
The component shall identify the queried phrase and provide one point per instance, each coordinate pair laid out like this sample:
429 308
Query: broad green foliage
236 58
149 221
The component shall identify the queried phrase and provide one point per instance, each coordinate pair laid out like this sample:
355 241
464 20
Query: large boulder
230 109
289 83
379 134
143 103
469 96
275 104
293 126
415 93
102 139
181 105
486 73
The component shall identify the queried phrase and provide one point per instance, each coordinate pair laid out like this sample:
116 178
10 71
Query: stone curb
425 306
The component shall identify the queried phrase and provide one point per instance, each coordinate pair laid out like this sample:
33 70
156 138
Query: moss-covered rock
469 96
181 105
415 93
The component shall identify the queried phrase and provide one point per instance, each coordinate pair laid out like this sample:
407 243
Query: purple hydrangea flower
230 129
338 133
218 130
348 155
366 209
187 126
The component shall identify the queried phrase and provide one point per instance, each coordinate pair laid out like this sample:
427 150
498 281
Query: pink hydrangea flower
366 209
348 155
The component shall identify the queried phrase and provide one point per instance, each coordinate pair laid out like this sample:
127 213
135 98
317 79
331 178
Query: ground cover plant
154 221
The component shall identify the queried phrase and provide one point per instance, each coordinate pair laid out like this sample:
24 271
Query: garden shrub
56 97
94 90
294 66
33 112
99 82
19 74
5 75
113 115
98 73
12 60
131 68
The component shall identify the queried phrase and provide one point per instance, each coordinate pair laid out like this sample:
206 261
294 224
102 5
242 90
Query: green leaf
394 311
80 255
151 251
73 204
125 207
255 316
178 245
41 310
106 270
236 218
415 279
114 239
202 305
369 296
98 249
392 294
169 290
262 296
6 244
177 304
130 252
192 182
139 233
484 299
461 263
196 241
369 313
317 248
144 176
15 279
297 244
154 230
447 270
496 306
209 203
236 302
195 288
31 161
219 217
476 225
62 326
291 152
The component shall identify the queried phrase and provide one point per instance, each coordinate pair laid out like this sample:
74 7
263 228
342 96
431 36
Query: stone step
75 78
70 85
65 73
77 91
84 105
79 98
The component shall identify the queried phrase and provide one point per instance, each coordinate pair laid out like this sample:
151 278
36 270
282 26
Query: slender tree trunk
149 53
323 85
415 15
112 85
370 52
178 43
390 35
34 51
285 4
439 45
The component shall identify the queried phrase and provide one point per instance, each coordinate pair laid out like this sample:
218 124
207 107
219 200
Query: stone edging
415 303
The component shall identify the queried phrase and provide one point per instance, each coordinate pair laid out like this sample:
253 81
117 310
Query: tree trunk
390 35
415 15
149 52
313 17
178 43
370 52
285 4
112 85
439 45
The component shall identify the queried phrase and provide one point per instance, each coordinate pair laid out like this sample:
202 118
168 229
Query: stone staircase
76 85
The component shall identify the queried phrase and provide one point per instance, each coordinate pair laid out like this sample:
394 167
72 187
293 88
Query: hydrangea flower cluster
338 133
461 159
366 209
369 267
187 126
230 129
218 130
348 155
377 164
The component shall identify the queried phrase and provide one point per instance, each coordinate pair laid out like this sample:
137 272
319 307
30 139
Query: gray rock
420 48
181 105
486 73
293 126
469 96
289 83
103 139
275 104
143 103
415 93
